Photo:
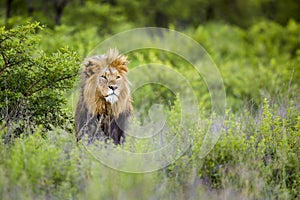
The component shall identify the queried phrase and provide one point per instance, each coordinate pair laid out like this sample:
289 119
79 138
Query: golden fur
105 90
93 96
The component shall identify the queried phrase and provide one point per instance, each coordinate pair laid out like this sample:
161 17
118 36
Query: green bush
33 83
107 19
257 62
255 158
35 167
258 159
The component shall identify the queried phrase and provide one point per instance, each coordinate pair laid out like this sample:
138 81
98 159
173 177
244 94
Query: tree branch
47 85
26 93
6 64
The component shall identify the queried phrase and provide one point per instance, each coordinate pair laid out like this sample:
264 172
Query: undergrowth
256 157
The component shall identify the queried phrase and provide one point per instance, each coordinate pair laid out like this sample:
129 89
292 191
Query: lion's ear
91 64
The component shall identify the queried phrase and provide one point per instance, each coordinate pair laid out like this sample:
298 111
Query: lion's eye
103 77
118 77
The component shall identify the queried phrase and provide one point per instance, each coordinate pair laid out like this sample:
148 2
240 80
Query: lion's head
106 88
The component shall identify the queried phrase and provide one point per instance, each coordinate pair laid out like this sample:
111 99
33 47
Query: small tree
32 83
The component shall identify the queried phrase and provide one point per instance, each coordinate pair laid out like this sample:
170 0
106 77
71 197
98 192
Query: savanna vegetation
256 47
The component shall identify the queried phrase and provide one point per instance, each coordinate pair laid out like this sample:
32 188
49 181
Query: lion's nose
113 87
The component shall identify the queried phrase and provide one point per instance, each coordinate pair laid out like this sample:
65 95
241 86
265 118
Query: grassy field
255 157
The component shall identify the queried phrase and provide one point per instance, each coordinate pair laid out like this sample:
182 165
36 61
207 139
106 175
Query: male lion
104 104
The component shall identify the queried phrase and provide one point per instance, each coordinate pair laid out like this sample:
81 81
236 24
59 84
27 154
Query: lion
104 105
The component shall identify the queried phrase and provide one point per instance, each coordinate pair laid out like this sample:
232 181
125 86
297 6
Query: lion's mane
94 116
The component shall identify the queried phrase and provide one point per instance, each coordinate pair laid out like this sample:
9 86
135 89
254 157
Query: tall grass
256 157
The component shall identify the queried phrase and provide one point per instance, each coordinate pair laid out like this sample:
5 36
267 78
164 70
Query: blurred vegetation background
256 46
164 13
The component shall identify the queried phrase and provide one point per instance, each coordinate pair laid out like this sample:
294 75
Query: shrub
33 83
35 167
257 62
258 159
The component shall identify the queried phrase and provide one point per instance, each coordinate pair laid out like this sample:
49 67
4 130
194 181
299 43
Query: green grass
255 158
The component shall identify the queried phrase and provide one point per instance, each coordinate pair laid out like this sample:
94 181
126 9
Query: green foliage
257 62
257 155
81 41
36 168
258 159
33 83
167 13
110 15
105 17
255 158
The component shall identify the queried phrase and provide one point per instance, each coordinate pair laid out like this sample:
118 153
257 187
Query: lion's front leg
118 128
117 134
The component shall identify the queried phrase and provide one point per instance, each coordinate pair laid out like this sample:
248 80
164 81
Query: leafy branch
46 86
33 71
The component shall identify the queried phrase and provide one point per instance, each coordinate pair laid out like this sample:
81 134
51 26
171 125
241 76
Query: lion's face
105 82
110 84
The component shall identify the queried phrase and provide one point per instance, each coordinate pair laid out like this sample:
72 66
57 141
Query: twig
47 85
6 64
32 85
